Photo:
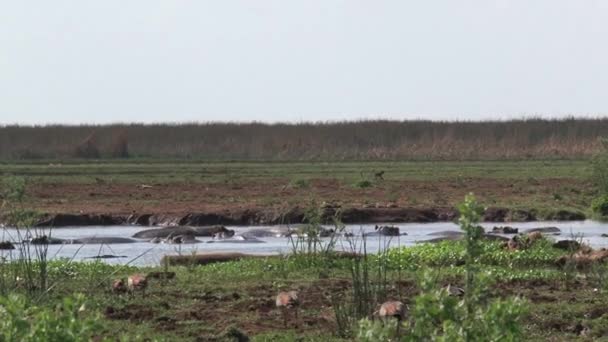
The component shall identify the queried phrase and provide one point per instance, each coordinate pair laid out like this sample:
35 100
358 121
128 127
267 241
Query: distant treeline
364 140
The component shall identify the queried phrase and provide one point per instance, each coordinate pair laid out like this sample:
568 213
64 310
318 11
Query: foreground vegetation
208 301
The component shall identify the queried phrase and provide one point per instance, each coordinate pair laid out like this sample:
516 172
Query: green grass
209 300
452 253
349 172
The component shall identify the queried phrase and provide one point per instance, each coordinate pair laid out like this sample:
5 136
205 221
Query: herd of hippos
221 234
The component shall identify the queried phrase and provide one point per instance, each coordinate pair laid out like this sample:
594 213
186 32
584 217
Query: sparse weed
299 183
363 183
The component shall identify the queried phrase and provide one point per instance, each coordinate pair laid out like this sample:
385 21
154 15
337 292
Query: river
148 254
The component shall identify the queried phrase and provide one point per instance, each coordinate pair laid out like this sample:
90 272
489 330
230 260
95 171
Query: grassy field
349 172
177 186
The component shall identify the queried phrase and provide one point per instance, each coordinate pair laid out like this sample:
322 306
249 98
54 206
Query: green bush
20 321
13 189
599 206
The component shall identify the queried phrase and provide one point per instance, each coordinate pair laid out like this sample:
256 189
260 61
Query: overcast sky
226 60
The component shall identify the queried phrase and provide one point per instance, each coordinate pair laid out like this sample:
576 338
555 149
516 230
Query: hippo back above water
208 231
237 239
386 231
93 240
102 240
544 230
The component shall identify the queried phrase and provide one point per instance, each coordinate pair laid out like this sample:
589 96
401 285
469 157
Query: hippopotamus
6 245
505 230
544 230
453 236
94 240
208 231
238 239
181 239
443 238
177 239
303 231
46 240
106 256
385 231
283 231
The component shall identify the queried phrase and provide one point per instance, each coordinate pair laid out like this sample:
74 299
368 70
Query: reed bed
360 140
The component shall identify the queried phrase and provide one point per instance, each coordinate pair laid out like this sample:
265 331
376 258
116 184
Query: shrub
599 206
20 321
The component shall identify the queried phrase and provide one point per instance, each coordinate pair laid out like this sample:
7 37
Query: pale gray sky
226 60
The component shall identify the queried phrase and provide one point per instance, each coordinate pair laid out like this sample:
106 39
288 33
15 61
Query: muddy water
145 253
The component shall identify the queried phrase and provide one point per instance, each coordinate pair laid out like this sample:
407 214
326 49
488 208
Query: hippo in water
177 239
544 230
181 239
95 240
304 231
238 239
107 256
268 232
6 245
208 231
455 236
282 231
385 231
442 238
46 240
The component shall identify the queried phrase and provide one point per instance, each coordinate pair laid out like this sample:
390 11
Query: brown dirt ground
253 310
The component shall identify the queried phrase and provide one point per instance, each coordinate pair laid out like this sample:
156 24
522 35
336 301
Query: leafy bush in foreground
19 321
599 206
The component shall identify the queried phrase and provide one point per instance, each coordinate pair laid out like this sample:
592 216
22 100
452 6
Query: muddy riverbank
249 217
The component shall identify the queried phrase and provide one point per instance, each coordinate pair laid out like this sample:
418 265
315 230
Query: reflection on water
146 253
